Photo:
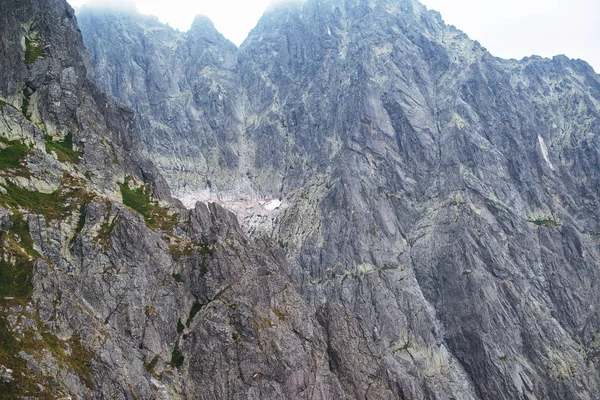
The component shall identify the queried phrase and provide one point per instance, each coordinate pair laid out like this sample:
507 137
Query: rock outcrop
439 205
434 209
109 289
179 85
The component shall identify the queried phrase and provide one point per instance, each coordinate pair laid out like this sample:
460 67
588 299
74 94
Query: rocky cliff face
438 228
179 85
446 200
107 289
439 205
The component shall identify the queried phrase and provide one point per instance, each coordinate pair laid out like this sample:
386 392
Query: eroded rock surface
435 209
109 288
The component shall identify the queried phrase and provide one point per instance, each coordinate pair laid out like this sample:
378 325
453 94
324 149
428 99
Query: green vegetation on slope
25 104
177 357
28 383
138 200
13 154
196 307
546 222
49 205
9 348
63 149
156 217
16 269
68 198
15 279
33 51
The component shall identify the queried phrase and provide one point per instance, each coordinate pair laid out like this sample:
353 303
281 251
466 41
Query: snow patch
189 199
236 205
545 152
271 205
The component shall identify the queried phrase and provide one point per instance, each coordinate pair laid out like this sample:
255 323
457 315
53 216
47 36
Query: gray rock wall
438 228
107 289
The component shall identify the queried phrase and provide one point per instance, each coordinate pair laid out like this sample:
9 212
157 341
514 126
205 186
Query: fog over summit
510 29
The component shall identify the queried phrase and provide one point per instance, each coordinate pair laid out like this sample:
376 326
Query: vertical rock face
184 89
456 222
106 289
439 209
46 76
444 199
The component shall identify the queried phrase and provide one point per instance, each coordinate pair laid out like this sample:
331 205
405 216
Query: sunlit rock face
438 207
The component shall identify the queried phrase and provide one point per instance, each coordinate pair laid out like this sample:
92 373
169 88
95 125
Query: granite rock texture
428 225
109 288
439 206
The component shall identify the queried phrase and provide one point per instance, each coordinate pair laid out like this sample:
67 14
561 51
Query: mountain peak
202 22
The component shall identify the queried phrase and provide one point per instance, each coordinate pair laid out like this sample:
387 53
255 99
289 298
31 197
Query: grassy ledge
49 205
63 149
13 155
156 217
16 269
545 222
177 357
33 51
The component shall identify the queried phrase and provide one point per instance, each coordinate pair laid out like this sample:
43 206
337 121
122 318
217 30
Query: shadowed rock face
438 228
178 85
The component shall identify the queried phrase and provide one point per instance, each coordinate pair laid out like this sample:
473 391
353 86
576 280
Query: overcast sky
507 28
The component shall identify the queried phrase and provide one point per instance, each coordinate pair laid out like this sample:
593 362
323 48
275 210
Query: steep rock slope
179 85
462 199
440 205
107 290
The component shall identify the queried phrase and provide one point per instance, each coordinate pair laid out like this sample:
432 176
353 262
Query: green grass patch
25 105
26 382
16 270
12 156
80 360
280 313
55 345
71 354
180 326
80 221
20 229
9 347
63 149
195 309
546 222
138 200
50 205
179 251
106 231
152 364
236 337
156 217
177 357
33 51
15 279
